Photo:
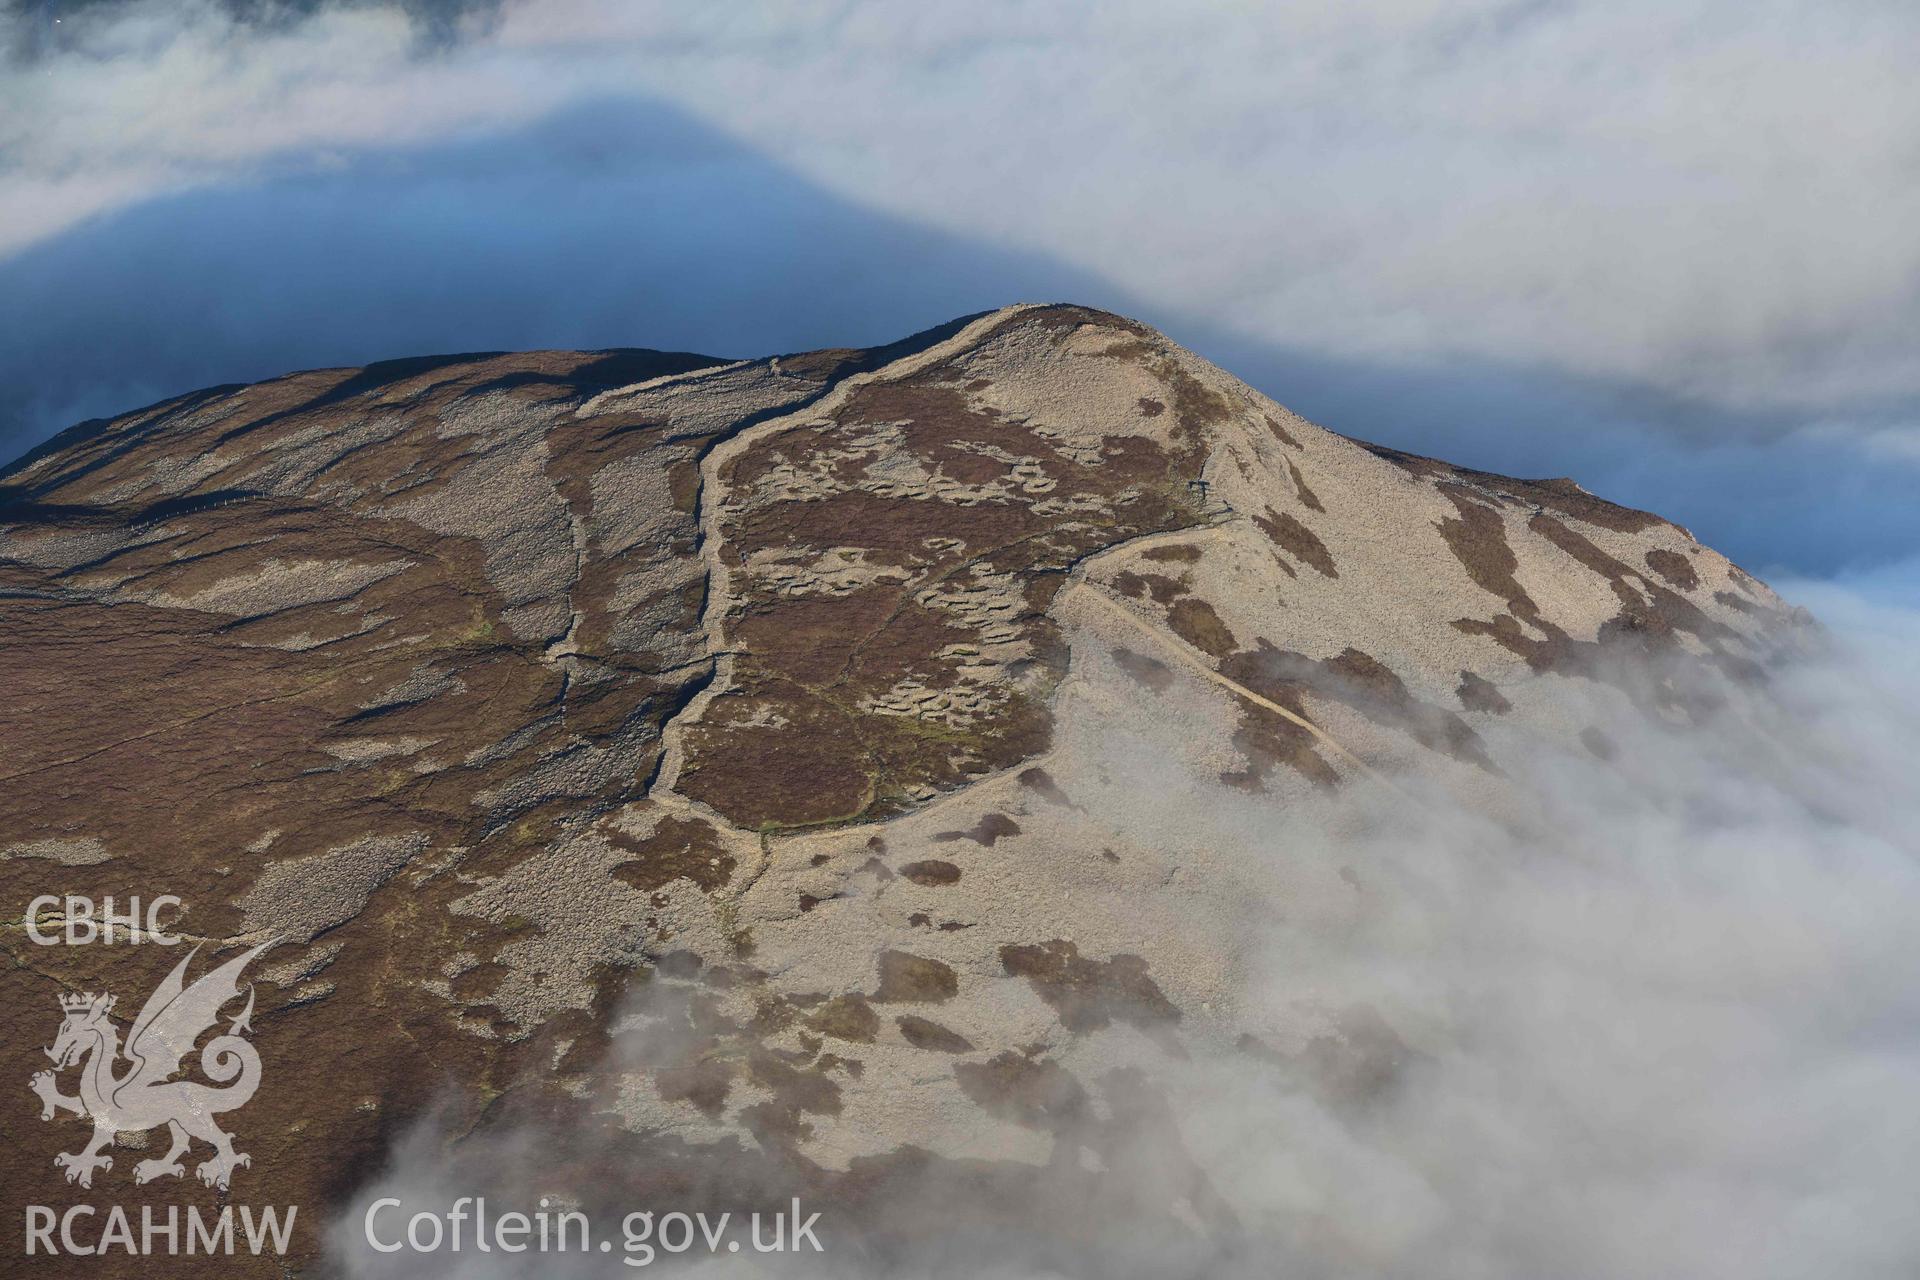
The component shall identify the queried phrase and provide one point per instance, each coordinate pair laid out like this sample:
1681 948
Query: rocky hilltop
741 762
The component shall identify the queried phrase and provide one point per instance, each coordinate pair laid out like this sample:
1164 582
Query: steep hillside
739 762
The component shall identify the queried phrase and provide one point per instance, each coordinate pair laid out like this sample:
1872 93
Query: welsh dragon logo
144 1094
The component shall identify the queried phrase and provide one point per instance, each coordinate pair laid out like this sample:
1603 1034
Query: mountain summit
748 754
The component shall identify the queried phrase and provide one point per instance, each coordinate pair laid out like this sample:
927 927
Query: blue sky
1668 249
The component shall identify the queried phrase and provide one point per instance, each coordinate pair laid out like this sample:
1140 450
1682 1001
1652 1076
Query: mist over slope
1666 1030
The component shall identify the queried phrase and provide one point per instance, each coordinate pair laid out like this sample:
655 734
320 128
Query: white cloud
172 96
1708 198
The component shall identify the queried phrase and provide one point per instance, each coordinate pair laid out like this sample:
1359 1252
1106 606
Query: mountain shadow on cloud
625 223
615 225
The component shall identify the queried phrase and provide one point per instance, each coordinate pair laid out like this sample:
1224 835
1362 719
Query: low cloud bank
1711 199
